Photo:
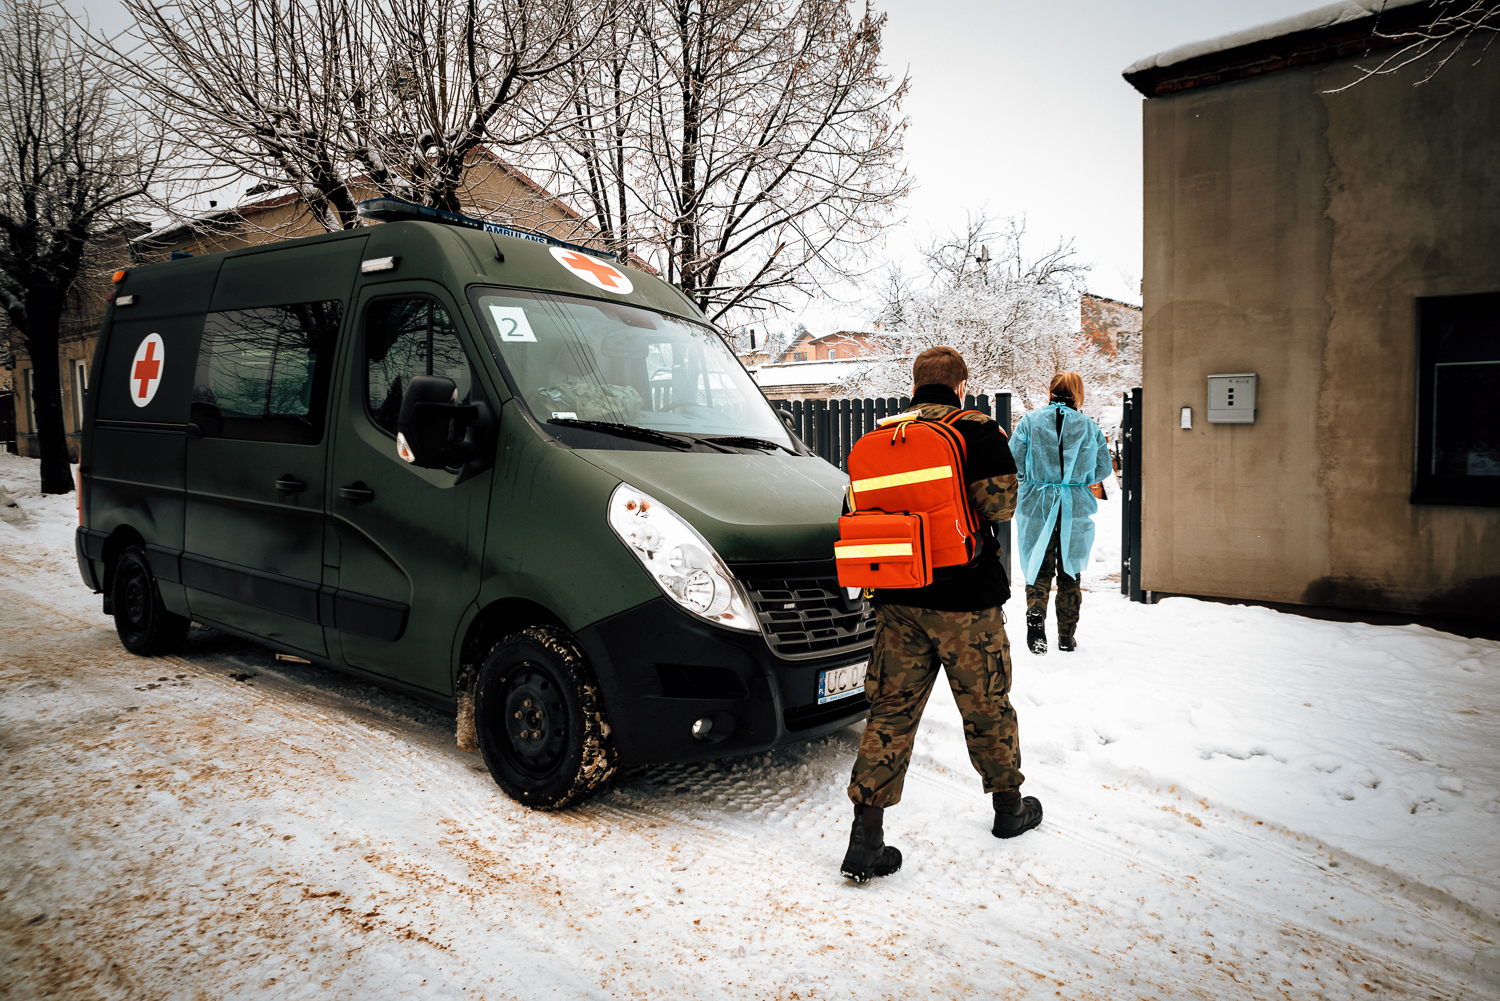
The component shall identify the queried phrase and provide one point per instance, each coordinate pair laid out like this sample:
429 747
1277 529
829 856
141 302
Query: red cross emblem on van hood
146 370
600 274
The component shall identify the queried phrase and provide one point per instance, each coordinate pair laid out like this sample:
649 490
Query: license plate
841 682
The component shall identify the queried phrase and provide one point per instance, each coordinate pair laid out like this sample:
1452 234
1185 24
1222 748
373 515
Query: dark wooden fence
830 427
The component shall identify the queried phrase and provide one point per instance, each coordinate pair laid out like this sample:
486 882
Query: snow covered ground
1240 803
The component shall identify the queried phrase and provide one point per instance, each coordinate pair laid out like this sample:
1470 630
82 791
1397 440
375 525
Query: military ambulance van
500 473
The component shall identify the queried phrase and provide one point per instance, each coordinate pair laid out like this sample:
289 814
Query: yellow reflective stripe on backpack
903 479
872 552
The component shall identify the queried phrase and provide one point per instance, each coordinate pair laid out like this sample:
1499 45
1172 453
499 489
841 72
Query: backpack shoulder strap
959 415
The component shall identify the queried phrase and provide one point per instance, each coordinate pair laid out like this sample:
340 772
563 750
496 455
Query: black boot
1036 634
868 855
1066 643
1015 815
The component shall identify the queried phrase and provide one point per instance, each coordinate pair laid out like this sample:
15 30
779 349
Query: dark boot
1036 634
1067 643
1015 815
868 855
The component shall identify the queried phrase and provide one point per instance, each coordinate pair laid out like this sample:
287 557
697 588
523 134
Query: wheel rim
137 601
536 719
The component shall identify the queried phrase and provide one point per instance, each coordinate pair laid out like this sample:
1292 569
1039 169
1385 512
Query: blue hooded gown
1054 483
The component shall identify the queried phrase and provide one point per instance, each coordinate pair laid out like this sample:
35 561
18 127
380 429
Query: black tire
145 626
540 719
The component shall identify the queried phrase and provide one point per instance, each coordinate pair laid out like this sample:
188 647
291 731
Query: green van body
321 542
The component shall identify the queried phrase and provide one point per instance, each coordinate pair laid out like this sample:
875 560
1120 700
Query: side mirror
432 430
786 418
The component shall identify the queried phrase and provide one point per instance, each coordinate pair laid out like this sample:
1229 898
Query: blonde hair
1067 387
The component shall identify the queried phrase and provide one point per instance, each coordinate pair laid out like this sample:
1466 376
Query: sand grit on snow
1240 803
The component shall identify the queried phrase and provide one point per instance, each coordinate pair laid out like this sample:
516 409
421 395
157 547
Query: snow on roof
1323 17
803 373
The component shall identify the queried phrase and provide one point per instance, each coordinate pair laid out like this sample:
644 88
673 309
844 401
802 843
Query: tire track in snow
494 867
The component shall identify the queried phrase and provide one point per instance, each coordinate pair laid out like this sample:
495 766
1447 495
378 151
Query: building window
830 354
80 387
799 356
1458 400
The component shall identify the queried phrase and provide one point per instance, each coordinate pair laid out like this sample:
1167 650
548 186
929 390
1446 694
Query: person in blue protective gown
1059 455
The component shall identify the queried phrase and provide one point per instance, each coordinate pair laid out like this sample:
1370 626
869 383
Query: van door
257 442
409 540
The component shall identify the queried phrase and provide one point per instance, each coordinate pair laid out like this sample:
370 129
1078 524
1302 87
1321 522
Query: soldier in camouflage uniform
1069 594
954 625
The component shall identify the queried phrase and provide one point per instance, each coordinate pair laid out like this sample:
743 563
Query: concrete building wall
1289 232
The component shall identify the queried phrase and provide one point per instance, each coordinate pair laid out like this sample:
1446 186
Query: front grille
807 617
807 717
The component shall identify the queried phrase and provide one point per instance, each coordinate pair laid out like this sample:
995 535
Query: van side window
263 373
403 338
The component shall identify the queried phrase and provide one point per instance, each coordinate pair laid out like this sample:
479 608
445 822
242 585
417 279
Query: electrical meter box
1231 398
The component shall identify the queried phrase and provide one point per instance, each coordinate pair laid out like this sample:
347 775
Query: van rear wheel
145 626
540 719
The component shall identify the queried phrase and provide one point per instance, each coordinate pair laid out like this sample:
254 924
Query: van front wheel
540 719
145 626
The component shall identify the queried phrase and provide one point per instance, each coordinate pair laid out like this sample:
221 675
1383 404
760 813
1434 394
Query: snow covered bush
1014 318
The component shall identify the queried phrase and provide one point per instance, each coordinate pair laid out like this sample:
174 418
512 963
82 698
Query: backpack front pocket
882 550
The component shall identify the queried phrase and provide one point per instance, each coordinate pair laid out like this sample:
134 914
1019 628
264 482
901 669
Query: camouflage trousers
911 646
1069 591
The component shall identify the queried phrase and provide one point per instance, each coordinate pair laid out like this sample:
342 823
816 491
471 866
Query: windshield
584 360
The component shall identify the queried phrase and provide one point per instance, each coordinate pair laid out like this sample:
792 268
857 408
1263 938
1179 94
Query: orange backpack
909 505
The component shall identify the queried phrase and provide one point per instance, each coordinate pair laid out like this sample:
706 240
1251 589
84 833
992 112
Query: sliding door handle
357 493
289 484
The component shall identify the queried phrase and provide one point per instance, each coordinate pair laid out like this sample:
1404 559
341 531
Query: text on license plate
840 682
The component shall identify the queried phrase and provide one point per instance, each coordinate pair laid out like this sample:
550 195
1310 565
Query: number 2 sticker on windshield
511 323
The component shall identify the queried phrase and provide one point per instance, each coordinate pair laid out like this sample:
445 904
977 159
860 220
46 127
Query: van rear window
263 373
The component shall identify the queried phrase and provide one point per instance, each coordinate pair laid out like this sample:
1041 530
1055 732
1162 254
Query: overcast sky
1019 108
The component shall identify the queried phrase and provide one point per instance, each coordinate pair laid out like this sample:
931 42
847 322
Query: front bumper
660 669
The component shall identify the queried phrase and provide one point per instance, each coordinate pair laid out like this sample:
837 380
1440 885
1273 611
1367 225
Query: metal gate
1130 482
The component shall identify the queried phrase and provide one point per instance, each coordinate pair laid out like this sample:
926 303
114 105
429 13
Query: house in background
1335 249
1111 326
498 190
815 366
78 332
831 347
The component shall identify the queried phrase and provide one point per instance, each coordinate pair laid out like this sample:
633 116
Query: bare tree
1013 317
598 152
747 149
71 158
1439 34
335 96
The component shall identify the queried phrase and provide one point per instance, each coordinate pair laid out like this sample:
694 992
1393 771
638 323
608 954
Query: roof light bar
397 209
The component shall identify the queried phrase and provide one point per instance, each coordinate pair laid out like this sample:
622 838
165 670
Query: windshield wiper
625 431
747 441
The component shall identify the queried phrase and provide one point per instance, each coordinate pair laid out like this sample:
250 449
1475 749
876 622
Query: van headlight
680 560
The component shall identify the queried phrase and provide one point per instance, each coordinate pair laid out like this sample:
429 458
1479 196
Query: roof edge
1337 31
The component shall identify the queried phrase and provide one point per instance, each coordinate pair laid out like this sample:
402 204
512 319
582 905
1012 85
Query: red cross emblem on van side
600 270
147 369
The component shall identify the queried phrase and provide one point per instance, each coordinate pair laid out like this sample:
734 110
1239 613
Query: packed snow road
1239 804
